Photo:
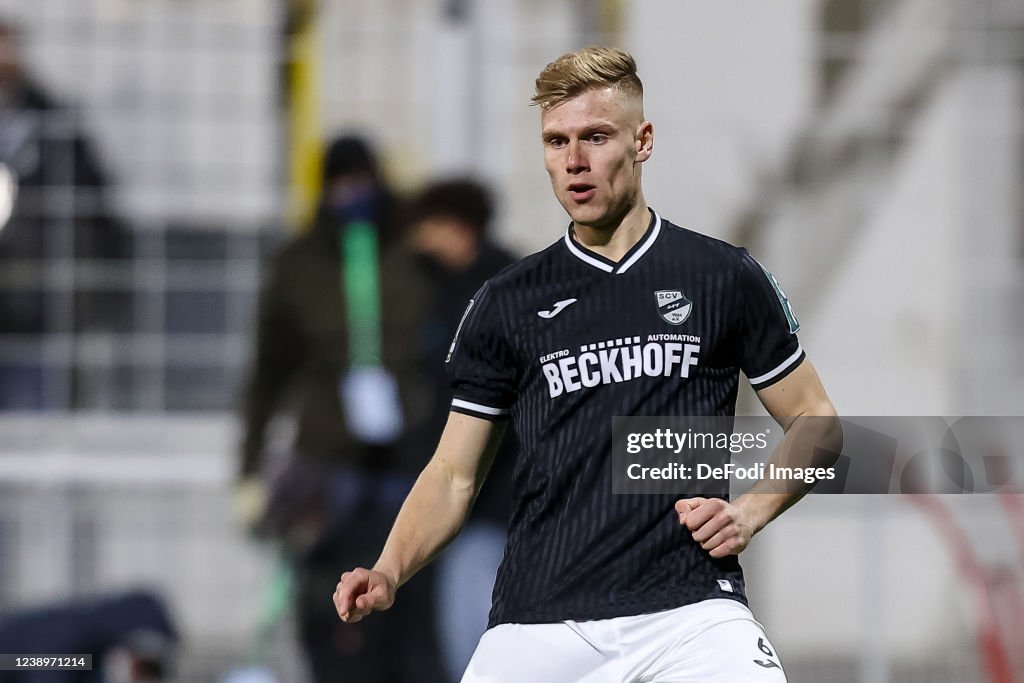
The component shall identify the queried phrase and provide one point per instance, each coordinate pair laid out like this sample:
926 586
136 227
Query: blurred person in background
131 637
336 316
54 205
450 221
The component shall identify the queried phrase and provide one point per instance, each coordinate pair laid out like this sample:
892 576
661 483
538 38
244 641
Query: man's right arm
431 516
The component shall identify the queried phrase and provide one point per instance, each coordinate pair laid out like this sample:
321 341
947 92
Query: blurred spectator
130 636
53 208
450 231
334 324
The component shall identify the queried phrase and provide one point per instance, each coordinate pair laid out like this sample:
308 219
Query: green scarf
360 284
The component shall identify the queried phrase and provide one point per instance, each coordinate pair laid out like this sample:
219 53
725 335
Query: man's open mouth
582 191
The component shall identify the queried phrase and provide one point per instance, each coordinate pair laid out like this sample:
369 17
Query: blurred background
156 157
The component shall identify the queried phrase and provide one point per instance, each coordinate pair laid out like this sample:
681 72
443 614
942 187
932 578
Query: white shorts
713 641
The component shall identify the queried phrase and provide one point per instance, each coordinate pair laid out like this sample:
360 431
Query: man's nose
576 159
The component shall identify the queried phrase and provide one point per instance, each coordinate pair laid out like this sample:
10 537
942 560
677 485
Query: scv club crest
673 306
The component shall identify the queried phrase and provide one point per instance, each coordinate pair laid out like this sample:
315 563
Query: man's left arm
798 402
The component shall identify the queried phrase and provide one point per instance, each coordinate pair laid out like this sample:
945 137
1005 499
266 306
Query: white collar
632 256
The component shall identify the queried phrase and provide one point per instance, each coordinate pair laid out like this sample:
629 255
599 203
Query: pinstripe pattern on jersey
575 550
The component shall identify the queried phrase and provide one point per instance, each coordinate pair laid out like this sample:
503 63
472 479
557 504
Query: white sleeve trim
486 410
780 369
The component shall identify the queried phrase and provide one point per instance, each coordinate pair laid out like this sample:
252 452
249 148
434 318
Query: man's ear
644 140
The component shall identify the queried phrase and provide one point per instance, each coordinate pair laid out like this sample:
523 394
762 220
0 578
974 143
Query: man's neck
615 241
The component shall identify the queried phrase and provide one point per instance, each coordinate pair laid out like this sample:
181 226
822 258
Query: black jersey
564 340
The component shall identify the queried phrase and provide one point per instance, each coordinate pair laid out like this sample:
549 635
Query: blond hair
591 67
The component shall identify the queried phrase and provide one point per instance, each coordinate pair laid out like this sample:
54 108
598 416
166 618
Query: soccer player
627 314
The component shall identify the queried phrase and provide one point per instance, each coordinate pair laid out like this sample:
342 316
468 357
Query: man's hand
720 527
362 591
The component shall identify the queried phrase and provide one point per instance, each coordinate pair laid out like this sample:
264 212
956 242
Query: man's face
449 241
349 188
593 147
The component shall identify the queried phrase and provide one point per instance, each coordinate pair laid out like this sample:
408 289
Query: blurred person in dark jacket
131 637
53 206
333 343
450 224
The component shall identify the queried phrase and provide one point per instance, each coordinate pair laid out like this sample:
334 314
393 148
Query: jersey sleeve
480 361
769 346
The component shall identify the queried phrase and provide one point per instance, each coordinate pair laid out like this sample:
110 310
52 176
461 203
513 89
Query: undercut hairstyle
592 67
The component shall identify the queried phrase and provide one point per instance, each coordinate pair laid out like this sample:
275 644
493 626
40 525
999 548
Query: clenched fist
720 527
362 591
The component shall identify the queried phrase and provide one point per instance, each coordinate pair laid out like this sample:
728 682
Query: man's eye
599 138
557 143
